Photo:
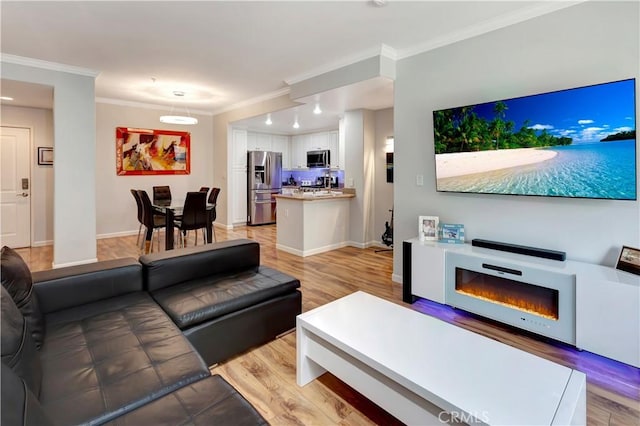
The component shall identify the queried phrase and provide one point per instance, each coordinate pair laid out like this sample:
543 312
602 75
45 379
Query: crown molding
121 102
489 25
252 101
53 66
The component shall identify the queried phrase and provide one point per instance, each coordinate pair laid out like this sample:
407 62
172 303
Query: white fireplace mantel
607 301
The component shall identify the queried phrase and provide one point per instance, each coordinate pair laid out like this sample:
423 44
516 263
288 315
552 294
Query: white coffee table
425 371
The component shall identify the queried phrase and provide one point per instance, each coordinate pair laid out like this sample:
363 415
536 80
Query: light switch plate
419 180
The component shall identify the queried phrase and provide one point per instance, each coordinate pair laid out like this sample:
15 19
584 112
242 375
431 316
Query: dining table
173 208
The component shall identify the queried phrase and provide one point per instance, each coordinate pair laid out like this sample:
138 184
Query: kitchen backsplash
312 175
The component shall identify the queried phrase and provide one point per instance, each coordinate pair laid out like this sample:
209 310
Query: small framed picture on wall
629 260
428 228
45 156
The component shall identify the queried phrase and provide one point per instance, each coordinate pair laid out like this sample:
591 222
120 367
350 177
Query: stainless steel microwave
319 158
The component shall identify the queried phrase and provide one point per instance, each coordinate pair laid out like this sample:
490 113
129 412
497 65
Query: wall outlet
419 180
350 182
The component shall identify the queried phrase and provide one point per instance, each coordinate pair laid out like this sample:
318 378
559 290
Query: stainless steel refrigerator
264 181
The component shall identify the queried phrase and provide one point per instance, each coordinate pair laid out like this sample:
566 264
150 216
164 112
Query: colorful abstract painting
152 152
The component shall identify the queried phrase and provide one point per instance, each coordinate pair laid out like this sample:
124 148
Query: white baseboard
305 253
396 278
116 234
42 243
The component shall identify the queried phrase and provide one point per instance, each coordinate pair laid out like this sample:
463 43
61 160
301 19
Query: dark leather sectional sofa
129 342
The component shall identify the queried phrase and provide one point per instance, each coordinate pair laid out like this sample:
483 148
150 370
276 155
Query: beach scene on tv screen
572 143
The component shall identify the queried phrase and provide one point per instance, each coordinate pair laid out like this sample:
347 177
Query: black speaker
407 297
514 248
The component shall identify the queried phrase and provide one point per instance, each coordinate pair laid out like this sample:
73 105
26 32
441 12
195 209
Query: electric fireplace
535 297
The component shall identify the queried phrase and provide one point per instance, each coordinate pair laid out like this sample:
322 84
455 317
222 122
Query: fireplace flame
519 303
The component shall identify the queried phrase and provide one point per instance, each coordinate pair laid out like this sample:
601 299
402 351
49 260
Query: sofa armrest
172 267
77 285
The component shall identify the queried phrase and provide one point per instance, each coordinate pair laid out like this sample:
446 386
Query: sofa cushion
106 358
211 401
167 268
19 406
64 288
18 348
194 302
16 278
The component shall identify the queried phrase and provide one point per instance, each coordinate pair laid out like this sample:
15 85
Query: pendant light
178 119
268 122
317 109
295 123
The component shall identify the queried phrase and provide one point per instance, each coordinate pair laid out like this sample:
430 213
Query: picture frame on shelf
629 260
45 156
428 228
452 233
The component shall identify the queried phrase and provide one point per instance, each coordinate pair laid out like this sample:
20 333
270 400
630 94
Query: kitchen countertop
318 195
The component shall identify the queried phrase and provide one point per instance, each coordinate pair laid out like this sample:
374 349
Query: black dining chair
136 196
150 219
194 216
162 194
204 189
213 199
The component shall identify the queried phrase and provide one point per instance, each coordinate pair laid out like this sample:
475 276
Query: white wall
74 219
590 43
40 123
115 206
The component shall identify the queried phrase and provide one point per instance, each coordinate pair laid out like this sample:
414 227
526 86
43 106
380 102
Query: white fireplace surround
542 275
605 311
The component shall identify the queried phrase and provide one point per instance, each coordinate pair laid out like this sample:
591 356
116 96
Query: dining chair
204 189
213 199
161 193
194 216
151 220
134 192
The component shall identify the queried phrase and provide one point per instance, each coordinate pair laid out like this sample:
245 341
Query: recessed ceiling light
6 98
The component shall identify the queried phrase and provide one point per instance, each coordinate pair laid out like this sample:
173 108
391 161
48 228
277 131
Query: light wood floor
266 375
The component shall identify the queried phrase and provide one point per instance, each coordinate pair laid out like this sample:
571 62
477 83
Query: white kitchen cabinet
258 142
299 146
239 148
319 141
333 148
341 145
239 197
280 143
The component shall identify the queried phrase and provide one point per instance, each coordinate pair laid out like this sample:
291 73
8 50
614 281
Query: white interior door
15 187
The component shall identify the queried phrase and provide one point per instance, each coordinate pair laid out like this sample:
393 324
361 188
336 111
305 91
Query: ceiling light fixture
6 98
317 109
178 119
268 122
295 124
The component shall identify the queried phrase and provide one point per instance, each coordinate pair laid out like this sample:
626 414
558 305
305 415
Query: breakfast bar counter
312 222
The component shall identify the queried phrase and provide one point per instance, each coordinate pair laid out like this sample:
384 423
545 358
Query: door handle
24 194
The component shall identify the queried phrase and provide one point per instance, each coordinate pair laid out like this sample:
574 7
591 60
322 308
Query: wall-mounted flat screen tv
571 143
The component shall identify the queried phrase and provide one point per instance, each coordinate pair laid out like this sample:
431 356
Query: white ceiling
222 54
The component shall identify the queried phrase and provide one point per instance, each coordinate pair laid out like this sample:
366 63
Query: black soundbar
514 248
